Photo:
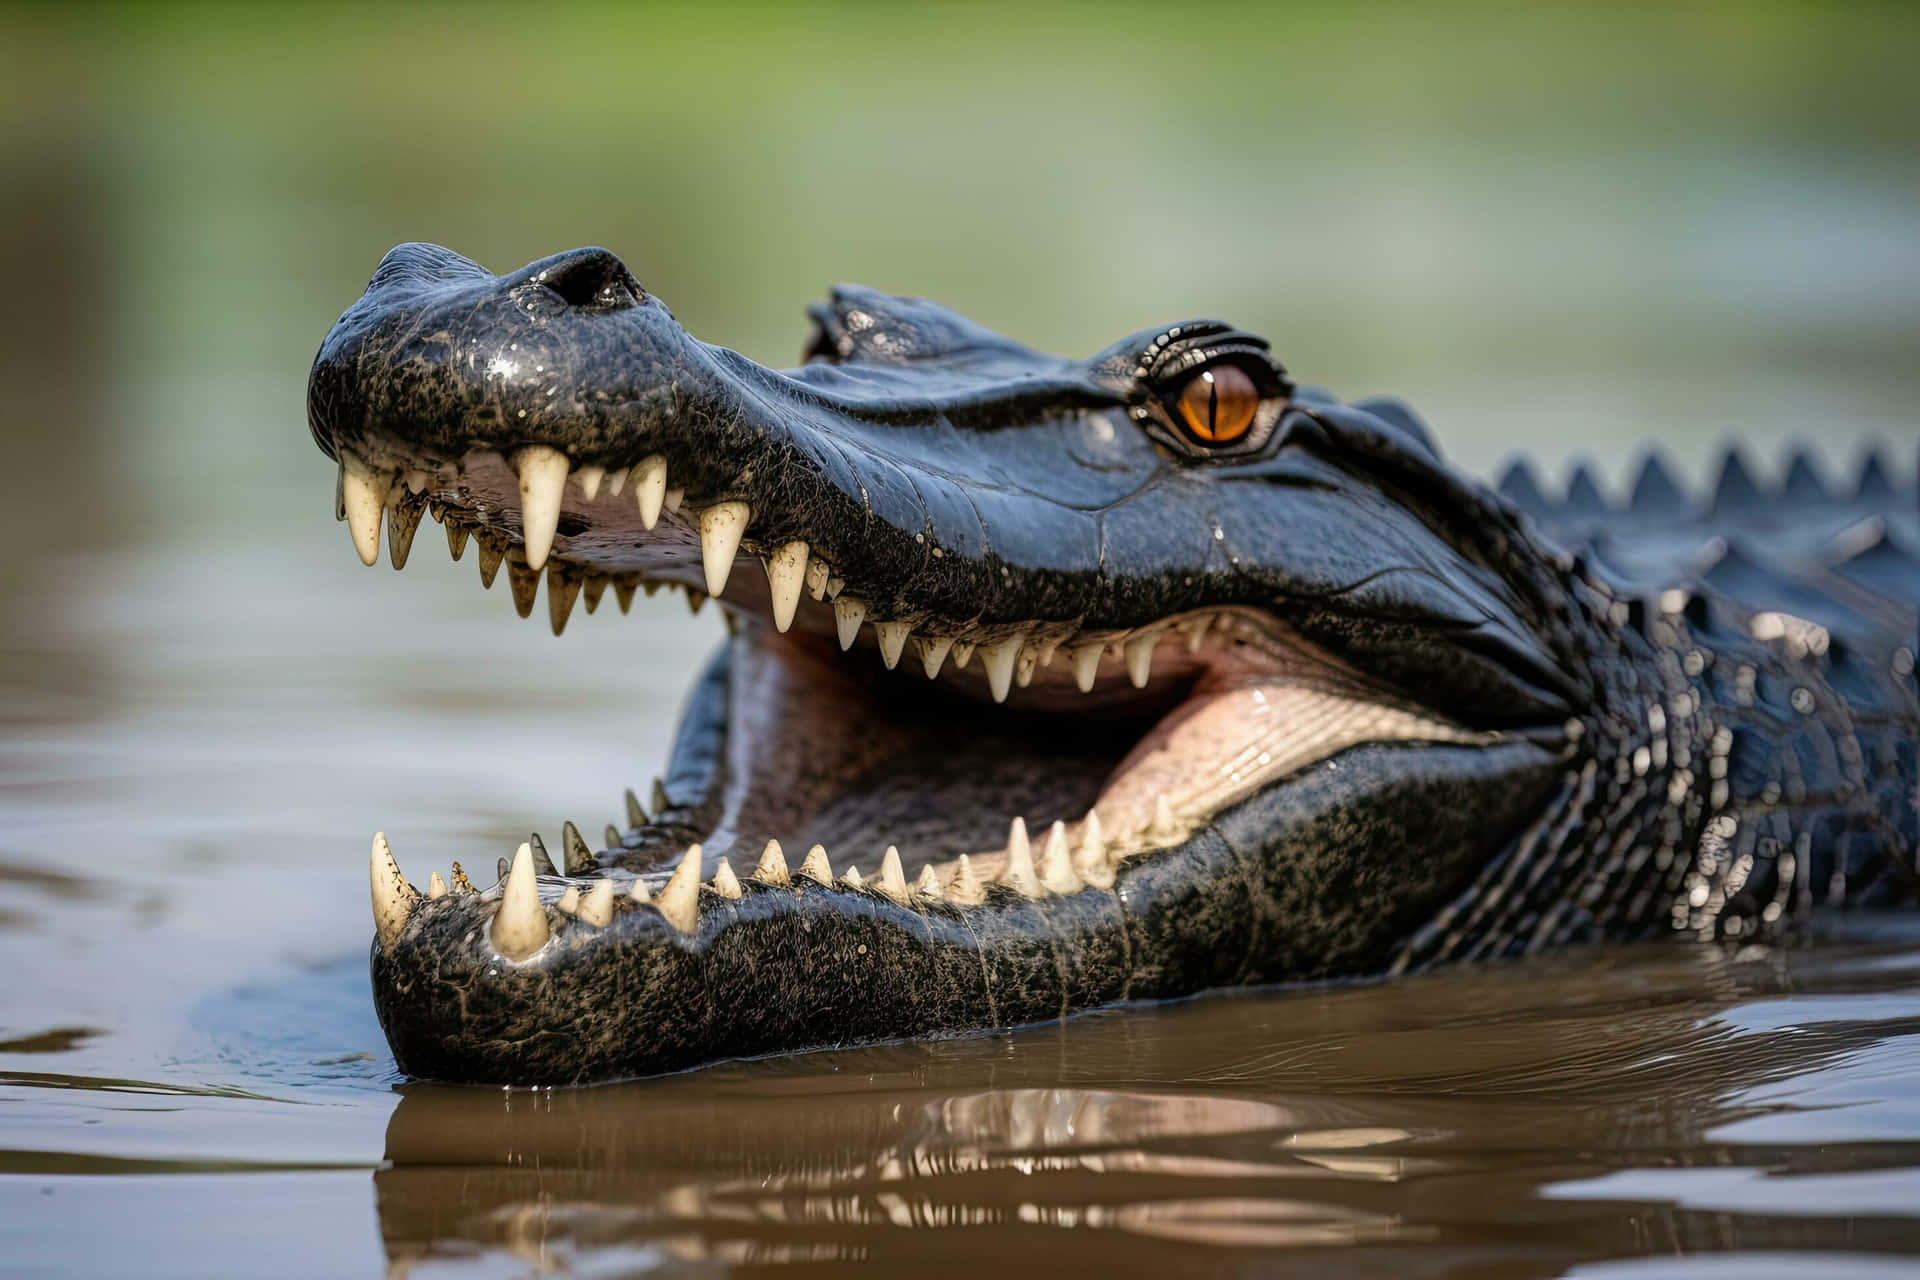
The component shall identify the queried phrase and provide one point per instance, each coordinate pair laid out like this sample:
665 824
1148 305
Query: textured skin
1702 711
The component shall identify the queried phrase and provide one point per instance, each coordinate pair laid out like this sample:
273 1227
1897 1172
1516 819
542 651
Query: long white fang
436 887
893 880
649 478
1090 859
933 652
998 660
963 885
848 613
816 867
520 925
1056 869
893 638
363 495
543 481
773 865
679 902
725 883
597 907
929 882
590 478
1086 665
393 898
720 528
786 577
1140 659
1019 873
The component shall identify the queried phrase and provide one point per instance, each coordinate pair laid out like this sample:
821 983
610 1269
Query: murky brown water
190 1055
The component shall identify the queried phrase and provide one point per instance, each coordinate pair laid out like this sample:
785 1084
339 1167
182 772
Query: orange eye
1218 404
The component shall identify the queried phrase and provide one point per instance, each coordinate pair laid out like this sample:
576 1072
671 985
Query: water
1555 229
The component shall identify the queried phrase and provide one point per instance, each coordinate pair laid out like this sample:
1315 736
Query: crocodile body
1055 683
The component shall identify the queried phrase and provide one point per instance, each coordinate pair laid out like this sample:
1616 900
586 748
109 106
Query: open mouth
1008 639
945 754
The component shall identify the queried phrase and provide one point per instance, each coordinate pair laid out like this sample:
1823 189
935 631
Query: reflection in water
1508 1120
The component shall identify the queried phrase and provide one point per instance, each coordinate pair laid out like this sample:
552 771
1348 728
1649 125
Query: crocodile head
1050 682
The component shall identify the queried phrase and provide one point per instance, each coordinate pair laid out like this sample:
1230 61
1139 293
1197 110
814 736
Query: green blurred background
1553 228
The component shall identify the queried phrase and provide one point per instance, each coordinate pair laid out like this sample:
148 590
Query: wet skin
1160 674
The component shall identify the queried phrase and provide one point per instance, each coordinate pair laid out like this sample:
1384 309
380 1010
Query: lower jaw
1262 893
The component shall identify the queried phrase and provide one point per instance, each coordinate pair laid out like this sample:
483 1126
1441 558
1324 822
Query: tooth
852 879
673 500
720 528
1195 629
460 882
847 614
590 594
519 927
1019 873
616 480
962 653
816 867
590 478
416 481
1164 827
928 884
893 881
933 652
541 862
543 479
402 520
1056 869
696 601
363 493
613 836
623 589
524 579
818 571
893 638
436 887
636 816
773 865
786 575
580 859
393 898
962 886
650 488
1046 650
562 589
500 871
679 902
491 554
1140 659
597 907
1024 665
456 538
570 900
998 660
660 801
1090 860
640 892
1086 665
835 586
725 883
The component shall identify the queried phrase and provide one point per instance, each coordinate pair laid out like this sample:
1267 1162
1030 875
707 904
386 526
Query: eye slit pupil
1218 405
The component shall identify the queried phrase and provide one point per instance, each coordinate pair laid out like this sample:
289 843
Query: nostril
593 278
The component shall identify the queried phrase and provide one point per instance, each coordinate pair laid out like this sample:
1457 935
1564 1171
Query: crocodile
1073 682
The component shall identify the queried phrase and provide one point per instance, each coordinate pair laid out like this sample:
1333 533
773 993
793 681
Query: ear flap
858 324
